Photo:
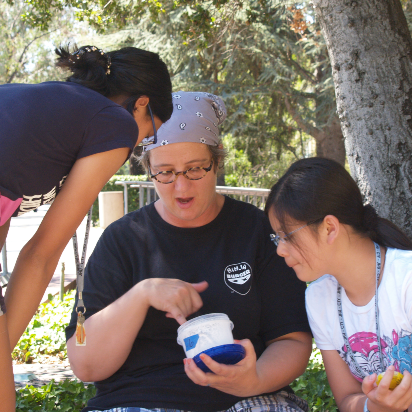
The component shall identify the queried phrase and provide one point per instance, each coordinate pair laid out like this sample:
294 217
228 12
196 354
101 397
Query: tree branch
317 134
11 77
304 72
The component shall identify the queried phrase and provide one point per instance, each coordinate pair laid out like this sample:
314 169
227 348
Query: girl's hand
385 399
177 298
240 380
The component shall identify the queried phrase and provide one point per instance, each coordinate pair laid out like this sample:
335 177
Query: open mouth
184 199
184 202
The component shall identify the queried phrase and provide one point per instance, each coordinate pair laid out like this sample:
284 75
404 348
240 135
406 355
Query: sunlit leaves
70 396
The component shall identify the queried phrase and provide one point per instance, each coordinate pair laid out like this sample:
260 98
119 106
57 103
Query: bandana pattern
196 117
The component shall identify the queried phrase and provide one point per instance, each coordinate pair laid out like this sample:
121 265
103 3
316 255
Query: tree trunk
329 138
330 142
135 168
370 48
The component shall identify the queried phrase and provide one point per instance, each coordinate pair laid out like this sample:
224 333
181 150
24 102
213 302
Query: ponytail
316 187
129 72
89 65
383 231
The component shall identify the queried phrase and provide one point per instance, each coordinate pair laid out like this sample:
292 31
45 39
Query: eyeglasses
152 139
169 176
283 237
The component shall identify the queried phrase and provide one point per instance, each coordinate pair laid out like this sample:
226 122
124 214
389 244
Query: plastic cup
210 334
205 332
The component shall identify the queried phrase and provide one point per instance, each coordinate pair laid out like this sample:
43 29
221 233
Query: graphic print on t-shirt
30 203
396 351
238 277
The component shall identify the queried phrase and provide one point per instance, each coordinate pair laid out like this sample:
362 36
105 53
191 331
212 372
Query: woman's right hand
177 298
384 399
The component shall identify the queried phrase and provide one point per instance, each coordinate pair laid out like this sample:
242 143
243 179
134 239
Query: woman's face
185 203
306 254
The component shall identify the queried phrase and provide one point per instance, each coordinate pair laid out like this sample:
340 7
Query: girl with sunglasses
359 303
60 143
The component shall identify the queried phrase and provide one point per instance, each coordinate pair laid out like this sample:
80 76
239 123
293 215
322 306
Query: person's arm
348 391
284 359
38 259
111 332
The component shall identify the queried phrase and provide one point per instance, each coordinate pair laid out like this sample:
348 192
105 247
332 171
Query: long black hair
129 72
316 187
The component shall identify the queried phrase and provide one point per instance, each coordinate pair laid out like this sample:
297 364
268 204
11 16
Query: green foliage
45 333
62 396
275 81
240 172
98 13
313 385
27 52
110 186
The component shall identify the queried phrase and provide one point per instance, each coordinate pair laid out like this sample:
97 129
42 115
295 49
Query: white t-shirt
395 318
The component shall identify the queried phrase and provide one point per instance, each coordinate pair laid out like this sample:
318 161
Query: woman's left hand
239 380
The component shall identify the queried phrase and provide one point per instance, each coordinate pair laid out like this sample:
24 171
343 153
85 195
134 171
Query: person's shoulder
136 217
127 227
399 261
65 93
399 255
326 285
74 92
319 296
238 206
245 216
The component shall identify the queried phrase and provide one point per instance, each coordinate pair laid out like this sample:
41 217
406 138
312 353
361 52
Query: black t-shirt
45 128
142 245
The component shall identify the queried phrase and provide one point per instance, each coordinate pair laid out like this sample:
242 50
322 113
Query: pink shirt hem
7 208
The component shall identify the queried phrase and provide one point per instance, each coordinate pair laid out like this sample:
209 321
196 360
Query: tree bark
330 142
370 48
329 138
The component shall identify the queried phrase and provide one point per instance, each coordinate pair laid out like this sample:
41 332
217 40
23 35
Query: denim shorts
279 402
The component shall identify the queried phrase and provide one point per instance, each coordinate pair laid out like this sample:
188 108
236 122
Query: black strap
80 263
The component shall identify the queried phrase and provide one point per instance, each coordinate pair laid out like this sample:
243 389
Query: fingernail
184 361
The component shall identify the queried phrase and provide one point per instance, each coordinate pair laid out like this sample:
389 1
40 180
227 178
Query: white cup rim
203 318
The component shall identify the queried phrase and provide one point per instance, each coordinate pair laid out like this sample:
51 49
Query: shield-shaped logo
238 277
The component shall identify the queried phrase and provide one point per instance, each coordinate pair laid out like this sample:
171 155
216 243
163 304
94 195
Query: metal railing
147 193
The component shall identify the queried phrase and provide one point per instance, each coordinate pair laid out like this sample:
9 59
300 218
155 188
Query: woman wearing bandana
60 142
190 253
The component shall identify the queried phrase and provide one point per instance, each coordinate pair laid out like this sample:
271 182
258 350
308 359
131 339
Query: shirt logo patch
238 277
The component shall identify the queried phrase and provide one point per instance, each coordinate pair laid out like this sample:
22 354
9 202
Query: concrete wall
111 207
